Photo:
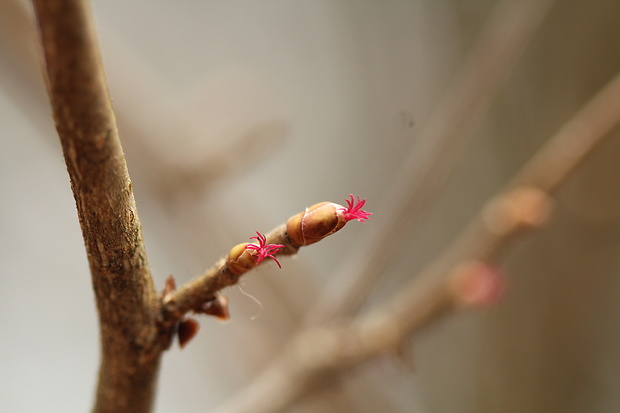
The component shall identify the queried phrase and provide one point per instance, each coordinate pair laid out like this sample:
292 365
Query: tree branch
126 299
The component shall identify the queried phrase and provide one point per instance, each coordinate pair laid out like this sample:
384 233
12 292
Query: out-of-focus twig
21 77
142 124
317 353
445 134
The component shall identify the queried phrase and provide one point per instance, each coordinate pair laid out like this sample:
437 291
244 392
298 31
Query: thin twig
318 353
312 225
126 298
193 294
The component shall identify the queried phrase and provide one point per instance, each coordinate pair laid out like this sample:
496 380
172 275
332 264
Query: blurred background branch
444 136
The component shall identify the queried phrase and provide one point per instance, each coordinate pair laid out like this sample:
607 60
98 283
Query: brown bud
218 307
240 259
169 286
315 223
188 328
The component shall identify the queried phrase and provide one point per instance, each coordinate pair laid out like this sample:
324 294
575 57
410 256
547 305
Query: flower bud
217 307
187 329
240 259
315 223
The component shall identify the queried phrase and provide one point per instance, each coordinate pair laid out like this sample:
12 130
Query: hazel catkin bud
240 259
315 223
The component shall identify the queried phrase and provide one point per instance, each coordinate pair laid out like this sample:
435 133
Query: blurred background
236 115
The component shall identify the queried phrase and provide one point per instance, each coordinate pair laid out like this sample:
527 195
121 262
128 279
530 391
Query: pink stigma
263 249
353 209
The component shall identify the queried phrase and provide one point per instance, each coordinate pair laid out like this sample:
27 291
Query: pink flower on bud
353 210
264 250
243 257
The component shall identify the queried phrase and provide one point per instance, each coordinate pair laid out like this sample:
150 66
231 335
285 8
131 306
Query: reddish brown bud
188 328
218 307
240 259
315 223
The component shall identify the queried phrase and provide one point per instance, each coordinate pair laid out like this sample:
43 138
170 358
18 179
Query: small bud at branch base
217 307
187 329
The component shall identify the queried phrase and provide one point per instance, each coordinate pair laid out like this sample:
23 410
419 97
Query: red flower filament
353 210
264 250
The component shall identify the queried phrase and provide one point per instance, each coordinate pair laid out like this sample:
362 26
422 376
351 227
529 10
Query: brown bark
126 299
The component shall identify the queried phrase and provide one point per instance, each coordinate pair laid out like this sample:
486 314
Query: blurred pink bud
477 284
